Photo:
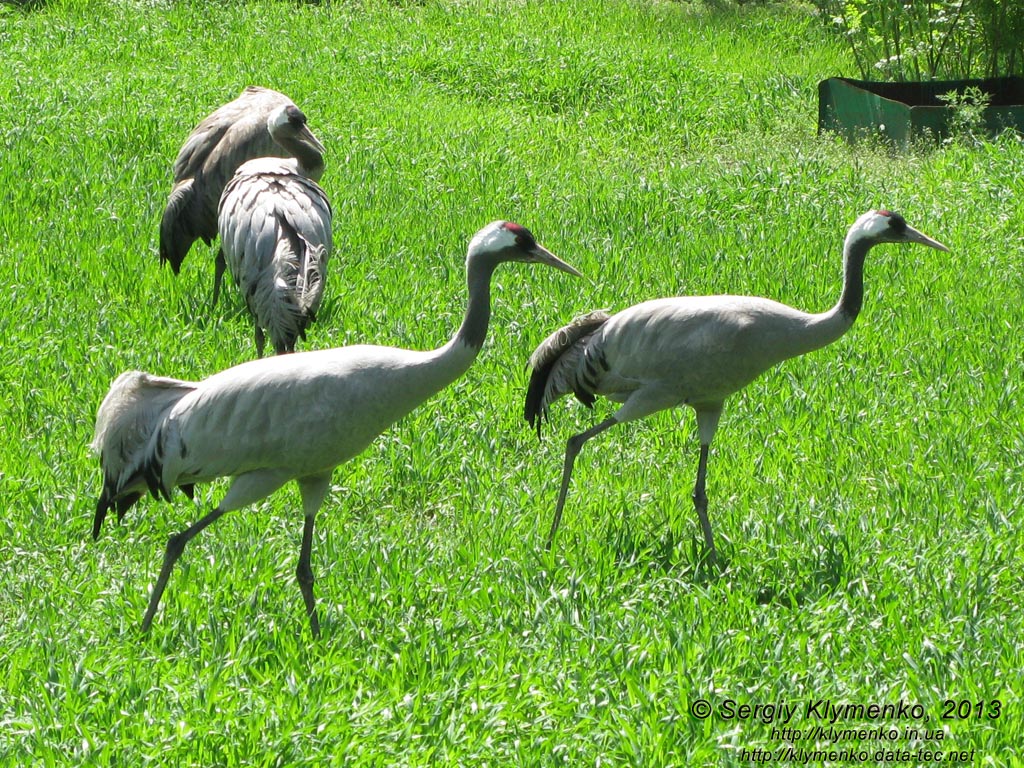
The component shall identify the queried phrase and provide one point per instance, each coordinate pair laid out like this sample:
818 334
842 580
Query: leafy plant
930 39
967 119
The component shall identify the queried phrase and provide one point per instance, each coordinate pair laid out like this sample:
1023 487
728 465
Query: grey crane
234 133
275 233
289 417
692 350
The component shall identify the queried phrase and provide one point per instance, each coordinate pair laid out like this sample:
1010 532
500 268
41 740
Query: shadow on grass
665 549
791 583
801 581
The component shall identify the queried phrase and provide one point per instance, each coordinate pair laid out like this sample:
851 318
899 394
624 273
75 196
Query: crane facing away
692 350
275 233
234 133
290 417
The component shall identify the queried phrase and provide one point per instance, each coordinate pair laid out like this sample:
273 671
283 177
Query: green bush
930 39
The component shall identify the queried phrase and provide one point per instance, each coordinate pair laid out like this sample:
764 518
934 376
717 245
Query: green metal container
902 111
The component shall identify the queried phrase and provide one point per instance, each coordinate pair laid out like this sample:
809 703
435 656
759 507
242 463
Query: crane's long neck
473 330
852 297
453 359
826 327
310 160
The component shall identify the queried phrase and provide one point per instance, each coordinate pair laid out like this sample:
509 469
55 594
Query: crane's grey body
233 134
275 234
341 400
692 350
290 417
695 350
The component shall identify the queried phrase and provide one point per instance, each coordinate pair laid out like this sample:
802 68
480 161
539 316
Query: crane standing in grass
234 133
275 233
692 350
291 417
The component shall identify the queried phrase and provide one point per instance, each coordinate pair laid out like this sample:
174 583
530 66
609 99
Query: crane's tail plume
182 224
128 418
293 299
309 281
555 364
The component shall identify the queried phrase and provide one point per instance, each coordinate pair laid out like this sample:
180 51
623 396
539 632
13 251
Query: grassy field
866 497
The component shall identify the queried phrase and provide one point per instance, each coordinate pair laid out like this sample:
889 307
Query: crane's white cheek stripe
873 223
493 237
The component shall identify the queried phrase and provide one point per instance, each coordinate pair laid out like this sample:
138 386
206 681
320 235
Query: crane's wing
302 414
129 415
230 135
275 227
561 365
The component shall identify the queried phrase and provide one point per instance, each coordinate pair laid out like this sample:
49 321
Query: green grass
866 497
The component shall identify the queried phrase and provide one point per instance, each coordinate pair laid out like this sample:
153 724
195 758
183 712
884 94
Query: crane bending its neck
495 244
855 251
454 358
287 126
872 228
310 160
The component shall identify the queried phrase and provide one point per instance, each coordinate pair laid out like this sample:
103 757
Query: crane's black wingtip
103 505
533 410
536 419
107 502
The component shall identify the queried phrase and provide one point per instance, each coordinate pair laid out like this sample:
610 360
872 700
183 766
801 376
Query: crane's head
288 123
506 241
884 226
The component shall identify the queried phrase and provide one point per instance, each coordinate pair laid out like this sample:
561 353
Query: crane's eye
897 223
524 238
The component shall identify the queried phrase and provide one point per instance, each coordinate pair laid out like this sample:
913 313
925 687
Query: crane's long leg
246 489
700 502
261 340
313 490
572 449
175 546
707 424
219 266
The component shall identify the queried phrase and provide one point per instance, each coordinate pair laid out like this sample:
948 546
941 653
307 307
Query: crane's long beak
915 236
542 255
306 137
